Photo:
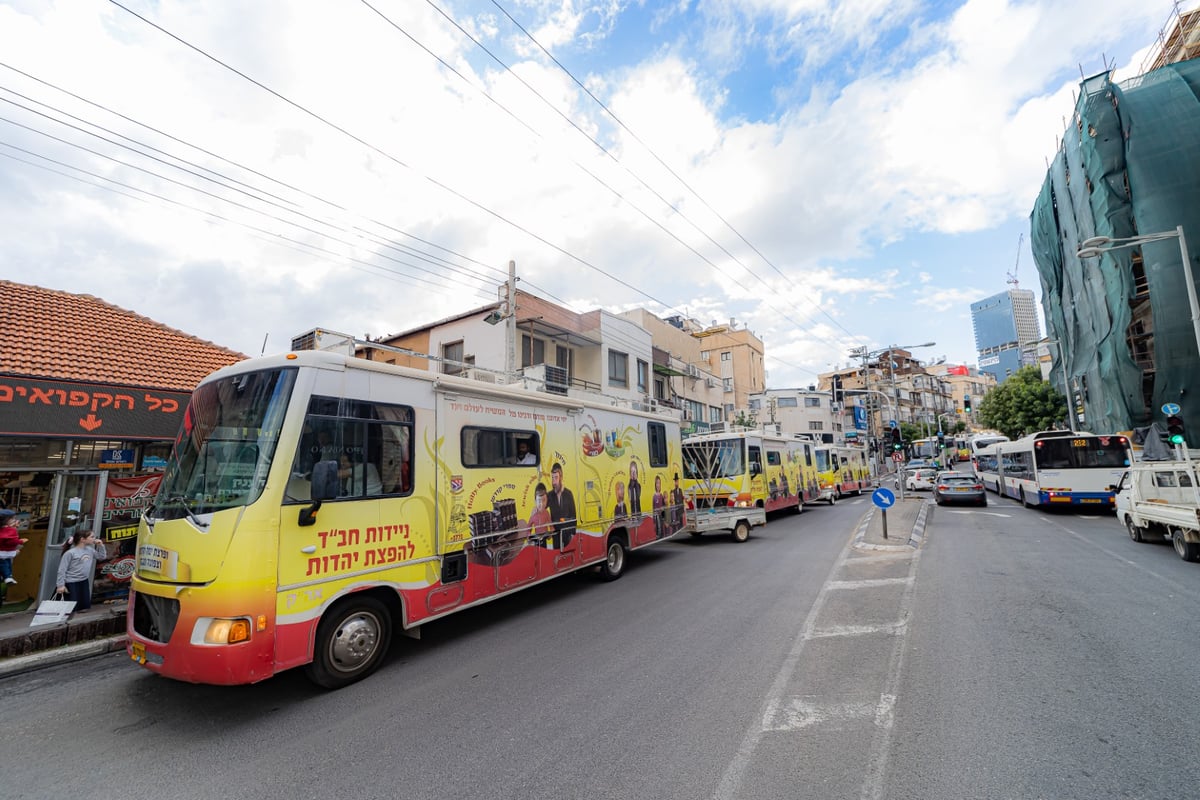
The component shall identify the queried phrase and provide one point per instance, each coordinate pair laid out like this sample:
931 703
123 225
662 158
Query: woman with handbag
80 554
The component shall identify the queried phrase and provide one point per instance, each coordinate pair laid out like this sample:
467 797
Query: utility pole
510 321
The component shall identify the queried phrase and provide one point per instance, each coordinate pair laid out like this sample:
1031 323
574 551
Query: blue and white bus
1056 468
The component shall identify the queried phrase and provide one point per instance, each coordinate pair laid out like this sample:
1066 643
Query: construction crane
1012 276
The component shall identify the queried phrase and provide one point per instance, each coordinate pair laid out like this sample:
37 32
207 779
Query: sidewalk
100 629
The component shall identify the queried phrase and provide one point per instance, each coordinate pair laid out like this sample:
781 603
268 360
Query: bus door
758 477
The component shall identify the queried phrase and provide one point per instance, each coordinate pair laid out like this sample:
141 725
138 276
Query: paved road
1005 658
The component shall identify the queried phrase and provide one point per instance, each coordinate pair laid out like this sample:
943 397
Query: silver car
952 487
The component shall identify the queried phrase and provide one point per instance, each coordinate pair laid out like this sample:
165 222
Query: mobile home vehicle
842 470
314 503
1056 468
744 468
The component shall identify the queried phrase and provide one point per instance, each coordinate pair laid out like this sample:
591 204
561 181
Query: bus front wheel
351 642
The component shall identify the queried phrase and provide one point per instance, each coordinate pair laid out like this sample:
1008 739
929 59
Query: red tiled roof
61 336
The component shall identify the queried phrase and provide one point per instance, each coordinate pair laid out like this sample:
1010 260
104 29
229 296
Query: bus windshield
717 459
925 448
1079 452
224 450
824 462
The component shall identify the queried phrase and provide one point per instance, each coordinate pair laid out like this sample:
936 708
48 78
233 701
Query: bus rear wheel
351 641
613 565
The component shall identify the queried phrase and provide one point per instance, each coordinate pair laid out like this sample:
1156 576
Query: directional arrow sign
883 498
1171 409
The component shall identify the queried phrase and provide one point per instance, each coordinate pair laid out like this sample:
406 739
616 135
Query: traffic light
1175 429
941 438
967 403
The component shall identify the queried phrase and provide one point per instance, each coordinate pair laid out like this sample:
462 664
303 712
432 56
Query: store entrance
51 505
77 504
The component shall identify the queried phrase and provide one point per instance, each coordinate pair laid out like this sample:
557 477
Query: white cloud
940 132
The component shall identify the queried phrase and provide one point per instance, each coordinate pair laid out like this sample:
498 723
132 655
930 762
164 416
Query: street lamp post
1062 357
1096 245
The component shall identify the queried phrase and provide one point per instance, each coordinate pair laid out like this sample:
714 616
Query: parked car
918 479
951 487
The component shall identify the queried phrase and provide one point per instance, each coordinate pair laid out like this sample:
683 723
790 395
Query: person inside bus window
525 456
352 472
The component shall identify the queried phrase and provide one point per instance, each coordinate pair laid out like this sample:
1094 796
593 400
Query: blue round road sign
1170 409
892 423
883 498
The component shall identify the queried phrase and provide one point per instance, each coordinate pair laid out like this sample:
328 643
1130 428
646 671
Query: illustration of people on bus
677 504
540 522
562 510
659 503
620 510
635 489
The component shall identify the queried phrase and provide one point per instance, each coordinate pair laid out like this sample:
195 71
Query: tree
744 420
1023 404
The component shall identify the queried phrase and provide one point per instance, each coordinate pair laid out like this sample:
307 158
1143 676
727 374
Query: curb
17 665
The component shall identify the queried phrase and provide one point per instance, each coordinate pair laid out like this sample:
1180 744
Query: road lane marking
799 712
890 628
968 511
866 583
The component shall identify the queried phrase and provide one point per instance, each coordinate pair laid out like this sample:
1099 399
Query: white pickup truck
1159 500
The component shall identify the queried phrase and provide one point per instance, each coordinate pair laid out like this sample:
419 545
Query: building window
533 351
704 355
726 355
816 426
755 404
562 358
714 414
728 384
452 352
618 369
643 376
812 402
660 389
787 402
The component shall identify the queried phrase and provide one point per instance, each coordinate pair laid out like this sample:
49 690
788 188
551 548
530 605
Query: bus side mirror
325 483
325 486
755 468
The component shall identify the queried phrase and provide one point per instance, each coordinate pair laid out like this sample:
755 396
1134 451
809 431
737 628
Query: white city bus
1056 468
980 442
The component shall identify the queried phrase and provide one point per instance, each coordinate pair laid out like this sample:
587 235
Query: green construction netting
1130 166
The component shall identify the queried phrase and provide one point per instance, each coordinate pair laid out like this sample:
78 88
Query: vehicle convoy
314 503
1056 468
1160 500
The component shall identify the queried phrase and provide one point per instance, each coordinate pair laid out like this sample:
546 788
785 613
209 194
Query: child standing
80 554
10 544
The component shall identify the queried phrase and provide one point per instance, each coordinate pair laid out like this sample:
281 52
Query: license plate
137 652
960 489
1091 500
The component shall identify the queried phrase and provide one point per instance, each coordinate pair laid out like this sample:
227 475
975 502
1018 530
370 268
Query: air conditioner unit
711 382
692 371
556 379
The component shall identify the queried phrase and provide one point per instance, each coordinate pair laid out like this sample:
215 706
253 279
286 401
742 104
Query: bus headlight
227 631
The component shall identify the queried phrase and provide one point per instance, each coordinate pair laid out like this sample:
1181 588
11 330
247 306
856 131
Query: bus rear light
227 631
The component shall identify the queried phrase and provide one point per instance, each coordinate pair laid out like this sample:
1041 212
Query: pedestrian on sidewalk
10 544
80 554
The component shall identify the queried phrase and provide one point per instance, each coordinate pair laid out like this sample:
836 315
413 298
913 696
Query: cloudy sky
829 173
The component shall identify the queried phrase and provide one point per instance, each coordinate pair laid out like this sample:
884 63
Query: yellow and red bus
315 503
841 470
745 468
